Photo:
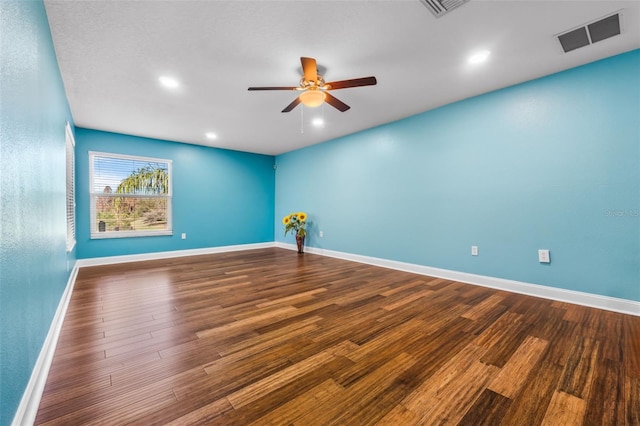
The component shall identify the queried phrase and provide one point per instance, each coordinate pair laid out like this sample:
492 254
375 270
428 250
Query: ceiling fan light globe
312 98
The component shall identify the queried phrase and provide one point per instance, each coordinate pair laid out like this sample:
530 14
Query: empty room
408 212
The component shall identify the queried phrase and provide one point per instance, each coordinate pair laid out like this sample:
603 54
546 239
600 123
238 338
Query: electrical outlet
184 235
474 250
543 256
321 234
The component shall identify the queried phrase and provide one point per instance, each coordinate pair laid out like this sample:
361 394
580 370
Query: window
70 144
130 196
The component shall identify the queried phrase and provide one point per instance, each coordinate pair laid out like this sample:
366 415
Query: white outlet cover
474 250
543 256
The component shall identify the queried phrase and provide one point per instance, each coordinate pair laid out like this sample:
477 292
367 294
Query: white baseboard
111 260
623 306
28 408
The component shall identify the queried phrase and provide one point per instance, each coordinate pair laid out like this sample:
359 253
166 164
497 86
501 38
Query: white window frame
95 234
70 179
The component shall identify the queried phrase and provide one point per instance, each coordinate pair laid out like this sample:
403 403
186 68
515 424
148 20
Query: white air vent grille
590 33
441 7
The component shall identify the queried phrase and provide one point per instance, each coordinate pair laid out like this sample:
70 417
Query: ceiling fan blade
292 105
274 88
356 82
309 68
336 103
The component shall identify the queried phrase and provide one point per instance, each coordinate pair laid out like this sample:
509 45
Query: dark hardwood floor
271 337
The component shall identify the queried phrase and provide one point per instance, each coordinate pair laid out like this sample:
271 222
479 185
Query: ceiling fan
314 89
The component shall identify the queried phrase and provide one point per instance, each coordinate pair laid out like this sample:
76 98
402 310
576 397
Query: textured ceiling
111 54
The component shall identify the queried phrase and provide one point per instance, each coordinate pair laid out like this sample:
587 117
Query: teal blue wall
220 197
33 258
552 163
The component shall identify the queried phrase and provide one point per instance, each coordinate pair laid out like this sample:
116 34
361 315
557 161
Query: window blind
130 196
70 187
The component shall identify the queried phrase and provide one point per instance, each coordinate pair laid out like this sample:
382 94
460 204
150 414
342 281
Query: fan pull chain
301 119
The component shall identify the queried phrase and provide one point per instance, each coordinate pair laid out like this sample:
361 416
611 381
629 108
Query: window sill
129 234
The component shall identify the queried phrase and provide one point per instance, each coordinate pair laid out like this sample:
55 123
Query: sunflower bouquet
295 222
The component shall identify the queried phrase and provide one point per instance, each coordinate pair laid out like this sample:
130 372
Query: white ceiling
111 54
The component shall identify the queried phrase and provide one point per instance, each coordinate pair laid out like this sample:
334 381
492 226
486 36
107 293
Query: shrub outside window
130 196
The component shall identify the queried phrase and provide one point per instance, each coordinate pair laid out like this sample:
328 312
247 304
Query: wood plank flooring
270 337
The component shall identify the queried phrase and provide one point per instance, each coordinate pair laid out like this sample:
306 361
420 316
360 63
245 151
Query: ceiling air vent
590 33
441 7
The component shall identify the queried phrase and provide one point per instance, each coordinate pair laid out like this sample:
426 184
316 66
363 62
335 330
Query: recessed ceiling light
317 122
211 135
169 82
478 57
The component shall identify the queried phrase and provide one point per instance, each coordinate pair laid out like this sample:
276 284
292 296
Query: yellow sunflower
302 216
286 219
